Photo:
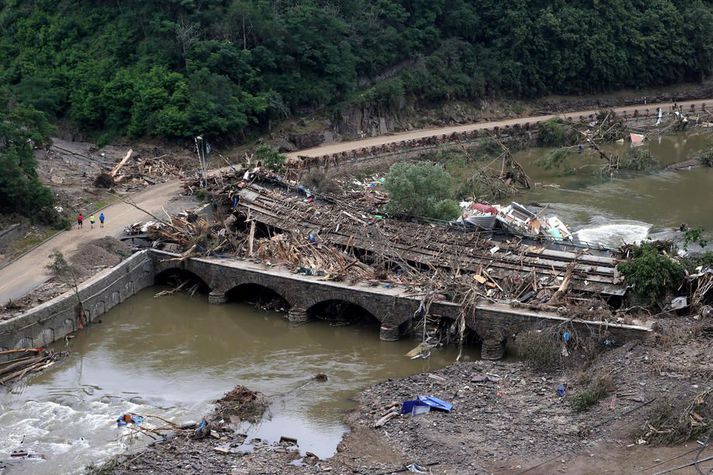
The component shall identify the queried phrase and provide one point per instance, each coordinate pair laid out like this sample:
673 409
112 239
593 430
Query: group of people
80 220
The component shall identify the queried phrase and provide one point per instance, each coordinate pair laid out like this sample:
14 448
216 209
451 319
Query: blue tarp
432 402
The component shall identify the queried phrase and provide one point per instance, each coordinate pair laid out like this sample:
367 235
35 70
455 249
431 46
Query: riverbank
507 418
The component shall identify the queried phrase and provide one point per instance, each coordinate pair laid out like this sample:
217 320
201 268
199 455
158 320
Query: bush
691 263
553 133
541 350
270 158
652 274
420 190
638 159
598 388
694 236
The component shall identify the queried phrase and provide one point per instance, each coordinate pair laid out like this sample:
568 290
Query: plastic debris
678 303
202 430
129 418
433 403
561 390
416 468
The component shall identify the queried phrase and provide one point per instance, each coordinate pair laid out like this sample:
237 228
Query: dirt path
423 133
28 272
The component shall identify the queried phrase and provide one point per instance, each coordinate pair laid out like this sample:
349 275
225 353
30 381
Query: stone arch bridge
392 307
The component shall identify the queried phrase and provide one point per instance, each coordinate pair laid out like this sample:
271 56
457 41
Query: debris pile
313 258
137 172
26 361
418 249
336 238
240 404
185 232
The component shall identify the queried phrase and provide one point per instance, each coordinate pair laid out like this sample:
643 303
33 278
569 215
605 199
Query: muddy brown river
173 356
630 206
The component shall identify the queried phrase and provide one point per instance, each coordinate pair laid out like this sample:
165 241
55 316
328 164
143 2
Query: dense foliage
175 68
652 274
21 128
421 190
270 158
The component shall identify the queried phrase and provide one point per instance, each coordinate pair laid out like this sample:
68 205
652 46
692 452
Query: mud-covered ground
506 418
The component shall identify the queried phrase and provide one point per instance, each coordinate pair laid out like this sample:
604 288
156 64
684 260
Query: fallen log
121 163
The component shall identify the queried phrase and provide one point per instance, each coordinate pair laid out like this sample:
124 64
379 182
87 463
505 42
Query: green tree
270 158
22 128
652 274
420 190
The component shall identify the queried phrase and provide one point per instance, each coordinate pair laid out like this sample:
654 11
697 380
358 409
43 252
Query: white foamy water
68 432
614 235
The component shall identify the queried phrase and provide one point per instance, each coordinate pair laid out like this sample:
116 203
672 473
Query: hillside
175 68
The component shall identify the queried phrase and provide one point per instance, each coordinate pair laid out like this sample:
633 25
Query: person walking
101 219
80 220
91 221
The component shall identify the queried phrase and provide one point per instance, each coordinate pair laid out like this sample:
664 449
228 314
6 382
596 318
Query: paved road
423 133
28 272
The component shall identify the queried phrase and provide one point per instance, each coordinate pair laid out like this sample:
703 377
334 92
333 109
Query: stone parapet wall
58 317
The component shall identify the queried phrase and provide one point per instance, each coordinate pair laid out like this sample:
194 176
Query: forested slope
174 68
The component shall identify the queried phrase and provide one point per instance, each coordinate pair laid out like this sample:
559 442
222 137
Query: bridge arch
344 311
175 276
259 294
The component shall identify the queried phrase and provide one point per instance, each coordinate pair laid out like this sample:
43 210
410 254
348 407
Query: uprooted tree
572 140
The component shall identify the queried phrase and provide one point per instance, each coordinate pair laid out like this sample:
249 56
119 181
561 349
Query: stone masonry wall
58 317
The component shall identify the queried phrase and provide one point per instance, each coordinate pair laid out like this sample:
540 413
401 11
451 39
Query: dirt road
28 272
423 133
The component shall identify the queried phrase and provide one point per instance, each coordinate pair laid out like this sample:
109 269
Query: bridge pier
217 297
389 332
297 315
492 349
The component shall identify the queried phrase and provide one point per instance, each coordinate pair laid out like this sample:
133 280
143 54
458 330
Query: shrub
270 158
638 159
691 263
420 190
652 274
541 350
553 133
597 389
694 236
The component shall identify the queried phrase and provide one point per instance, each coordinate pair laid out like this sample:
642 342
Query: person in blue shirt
101 219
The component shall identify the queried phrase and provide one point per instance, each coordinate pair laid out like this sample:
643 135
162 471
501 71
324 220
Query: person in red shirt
80 220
